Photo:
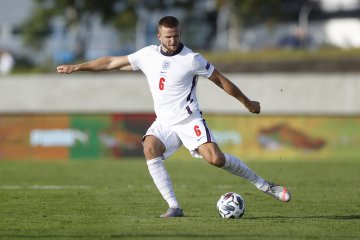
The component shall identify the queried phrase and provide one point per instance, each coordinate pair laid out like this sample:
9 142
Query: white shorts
192 132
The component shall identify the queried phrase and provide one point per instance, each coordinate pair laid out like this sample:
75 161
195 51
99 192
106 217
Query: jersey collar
181 46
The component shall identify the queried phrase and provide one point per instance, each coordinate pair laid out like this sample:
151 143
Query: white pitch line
45 187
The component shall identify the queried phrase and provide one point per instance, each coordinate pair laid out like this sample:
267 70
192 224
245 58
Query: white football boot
173 212
278 192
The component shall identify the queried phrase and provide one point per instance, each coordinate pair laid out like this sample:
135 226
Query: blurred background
299 58
44 33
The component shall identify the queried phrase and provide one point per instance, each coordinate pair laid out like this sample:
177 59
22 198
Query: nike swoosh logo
200 138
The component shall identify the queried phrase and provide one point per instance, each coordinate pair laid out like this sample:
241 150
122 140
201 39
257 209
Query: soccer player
172 71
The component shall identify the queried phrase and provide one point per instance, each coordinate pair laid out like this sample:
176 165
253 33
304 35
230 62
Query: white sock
162 180
239 168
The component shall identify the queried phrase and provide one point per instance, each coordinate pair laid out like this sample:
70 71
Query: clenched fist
253 107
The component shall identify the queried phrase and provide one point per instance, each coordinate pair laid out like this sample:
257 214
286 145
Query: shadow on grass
331 217
176 236
137 236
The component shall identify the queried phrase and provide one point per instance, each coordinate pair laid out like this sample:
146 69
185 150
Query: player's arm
97 65
229 87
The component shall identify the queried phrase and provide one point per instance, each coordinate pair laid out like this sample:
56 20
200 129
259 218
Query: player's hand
253 107
66 69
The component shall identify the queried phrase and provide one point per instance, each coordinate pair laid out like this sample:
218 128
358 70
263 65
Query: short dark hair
169 22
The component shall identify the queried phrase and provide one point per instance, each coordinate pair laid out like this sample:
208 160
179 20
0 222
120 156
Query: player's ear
158 36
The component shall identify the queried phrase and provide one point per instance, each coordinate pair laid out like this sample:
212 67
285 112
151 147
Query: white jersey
172 79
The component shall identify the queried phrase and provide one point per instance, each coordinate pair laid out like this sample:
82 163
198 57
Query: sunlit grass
117 199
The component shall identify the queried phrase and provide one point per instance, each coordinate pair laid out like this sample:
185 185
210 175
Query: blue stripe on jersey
207 66
188 110
192 88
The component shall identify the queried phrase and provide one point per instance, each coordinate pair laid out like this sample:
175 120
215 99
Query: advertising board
97 136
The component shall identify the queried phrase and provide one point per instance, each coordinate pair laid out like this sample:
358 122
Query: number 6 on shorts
197 130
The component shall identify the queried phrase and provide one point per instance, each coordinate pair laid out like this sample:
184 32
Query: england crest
165 65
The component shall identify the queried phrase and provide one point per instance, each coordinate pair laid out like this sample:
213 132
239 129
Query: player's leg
154 151
212 153
198 138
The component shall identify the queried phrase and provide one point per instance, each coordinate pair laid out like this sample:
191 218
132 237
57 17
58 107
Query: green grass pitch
117 200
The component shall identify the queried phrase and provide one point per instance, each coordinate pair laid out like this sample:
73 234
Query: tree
233 15
77 14
132 16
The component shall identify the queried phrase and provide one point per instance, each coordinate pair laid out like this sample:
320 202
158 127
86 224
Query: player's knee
153 147
217 160
149 152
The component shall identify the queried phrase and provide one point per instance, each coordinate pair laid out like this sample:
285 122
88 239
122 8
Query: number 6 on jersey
162 83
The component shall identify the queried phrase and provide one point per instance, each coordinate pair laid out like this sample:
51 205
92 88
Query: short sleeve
135 59
201 66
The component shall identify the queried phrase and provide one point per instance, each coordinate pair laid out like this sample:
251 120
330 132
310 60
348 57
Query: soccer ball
231 205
